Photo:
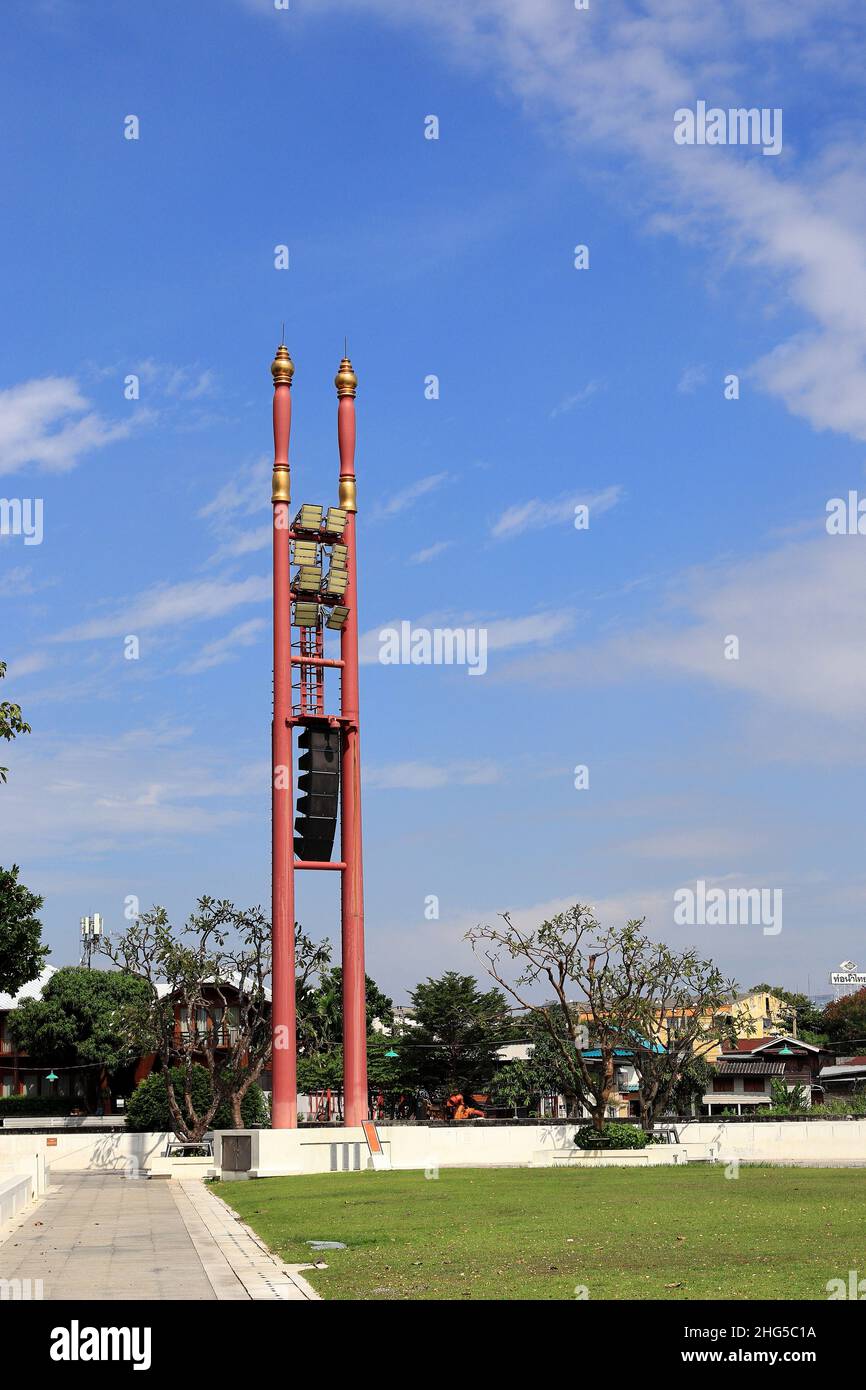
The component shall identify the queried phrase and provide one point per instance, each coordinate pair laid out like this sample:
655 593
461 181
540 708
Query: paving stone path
97 1237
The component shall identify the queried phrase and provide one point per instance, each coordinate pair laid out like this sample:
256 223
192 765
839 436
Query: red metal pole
284 1105
351 877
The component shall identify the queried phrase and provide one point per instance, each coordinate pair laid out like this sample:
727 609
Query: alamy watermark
21 1290
22 516
854 1288
737 126
438 646
729 907
846 516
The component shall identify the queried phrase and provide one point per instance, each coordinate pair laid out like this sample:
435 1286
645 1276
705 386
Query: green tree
844 1020
320 1010
12 723
516 1084
83 1018
459 1030
625 986
692 1084
148 1105
792 1100
801 1015
219 961
22 955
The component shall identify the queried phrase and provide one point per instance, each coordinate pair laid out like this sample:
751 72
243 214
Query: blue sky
451 257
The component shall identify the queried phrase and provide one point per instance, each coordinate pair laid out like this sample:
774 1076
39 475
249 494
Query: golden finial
282 367
345 381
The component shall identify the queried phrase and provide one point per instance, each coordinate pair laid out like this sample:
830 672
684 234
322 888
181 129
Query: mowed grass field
516 1233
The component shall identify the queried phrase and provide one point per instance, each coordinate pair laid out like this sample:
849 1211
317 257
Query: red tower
306 604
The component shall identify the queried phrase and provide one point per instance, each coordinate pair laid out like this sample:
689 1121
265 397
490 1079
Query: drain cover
325 1244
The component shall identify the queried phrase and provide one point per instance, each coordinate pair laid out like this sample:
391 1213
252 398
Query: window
721 1083
754 1083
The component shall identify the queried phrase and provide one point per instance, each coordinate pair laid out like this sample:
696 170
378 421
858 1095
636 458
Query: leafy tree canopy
459 1030
320 1010
22 955
844 1020
83 1016
12 722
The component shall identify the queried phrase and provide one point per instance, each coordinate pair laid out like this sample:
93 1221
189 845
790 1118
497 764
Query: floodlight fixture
336 582
339 556
335 521
338 616
305 553
306 614
309 578
309 518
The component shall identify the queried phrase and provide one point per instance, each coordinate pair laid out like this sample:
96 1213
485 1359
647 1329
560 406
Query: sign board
381 1161
849 977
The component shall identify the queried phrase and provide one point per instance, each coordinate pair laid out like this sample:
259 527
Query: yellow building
758 1014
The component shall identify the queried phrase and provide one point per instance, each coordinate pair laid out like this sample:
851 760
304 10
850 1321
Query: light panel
308 578
309 518
305 553
337 617
336 581
306 614
335 521
339 556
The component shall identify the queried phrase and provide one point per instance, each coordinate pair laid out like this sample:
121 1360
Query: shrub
147 1108
21 1106
611 1136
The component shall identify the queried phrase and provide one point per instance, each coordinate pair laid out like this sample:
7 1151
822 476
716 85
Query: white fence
823 1143
271 1152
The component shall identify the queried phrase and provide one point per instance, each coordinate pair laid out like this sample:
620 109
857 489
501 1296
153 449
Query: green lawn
516 1233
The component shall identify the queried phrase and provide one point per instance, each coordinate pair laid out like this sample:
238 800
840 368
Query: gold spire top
282 367
345 381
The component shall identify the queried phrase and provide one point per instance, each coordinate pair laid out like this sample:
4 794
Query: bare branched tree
208 1001
637 1000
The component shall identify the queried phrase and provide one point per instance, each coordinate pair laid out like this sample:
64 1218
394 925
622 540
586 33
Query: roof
737 1098
851 1069
33 990
762 1044
594 1053
750 1068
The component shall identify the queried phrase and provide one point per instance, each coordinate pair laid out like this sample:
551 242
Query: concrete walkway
95 1237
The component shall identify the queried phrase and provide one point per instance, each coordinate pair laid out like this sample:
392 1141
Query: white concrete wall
815 1142
16 1190
421 1147
125 1153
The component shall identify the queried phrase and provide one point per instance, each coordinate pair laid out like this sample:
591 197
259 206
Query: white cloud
538 514
225 648
168 605
797 613
690 379
612 78
48 422
531 629
247 491
577 398
28 665
418 776
423 557
91 794
408 496
183 383
19 581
